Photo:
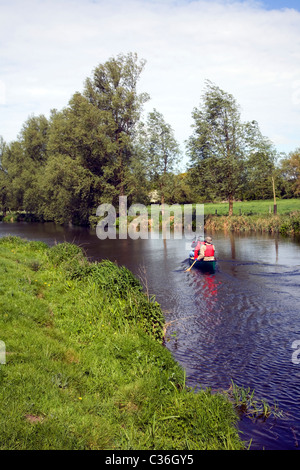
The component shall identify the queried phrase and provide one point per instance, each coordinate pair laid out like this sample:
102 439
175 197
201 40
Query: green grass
262 207
85 365
255 216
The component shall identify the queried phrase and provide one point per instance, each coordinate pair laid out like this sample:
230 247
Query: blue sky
278 4
250 49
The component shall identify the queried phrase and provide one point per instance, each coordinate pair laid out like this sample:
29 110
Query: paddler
197 248
207 250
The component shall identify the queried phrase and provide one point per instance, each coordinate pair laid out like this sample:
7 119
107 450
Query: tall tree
113 90
161 150
77 131
290 169
77 149
34 140
67 191
4 180
34 137
261 157
216 146
24 160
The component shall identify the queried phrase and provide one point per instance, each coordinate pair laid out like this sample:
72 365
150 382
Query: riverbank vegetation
254 207
283 224
248 216
101 146
255 216
85 364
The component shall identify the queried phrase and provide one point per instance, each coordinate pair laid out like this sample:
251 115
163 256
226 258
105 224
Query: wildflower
79 398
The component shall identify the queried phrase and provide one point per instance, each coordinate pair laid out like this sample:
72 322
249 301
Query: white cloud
49 47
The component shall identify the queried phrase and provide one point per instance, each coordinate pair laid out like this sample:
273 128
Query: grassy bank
247 216
255 216
85 365
285 224
11 217
249 208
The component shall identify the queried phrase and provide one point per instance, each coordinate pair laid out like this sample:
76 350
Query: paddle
191 266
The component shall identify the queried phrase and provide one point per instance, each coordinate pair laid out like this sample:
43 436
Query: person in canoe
207 250
196 245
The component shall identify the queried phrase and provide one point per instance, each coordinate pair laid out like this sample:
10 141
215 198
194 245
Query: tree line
100 147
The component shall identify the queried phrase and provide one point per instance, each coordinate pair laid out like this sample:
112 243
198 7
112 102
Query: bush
114 279
63 252
291 225
12 241
71 259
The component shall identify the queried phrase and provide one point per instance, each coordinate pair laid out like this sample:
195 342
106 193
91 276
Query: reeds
283 224
247 404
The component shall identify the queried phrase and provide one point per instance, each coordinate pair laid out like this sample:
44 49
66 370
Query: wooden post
230 200
274 194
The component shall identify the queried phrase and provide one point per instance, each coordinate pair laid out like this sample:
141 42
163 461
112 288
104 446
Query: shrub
12 241
114 279
63 252
71 259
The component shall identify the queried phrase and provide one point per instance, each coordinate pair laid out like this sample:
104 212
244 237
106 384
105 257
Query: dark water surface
238 324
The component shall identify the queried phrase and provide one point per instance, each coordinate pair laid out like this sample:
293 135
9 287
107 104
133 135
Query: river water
238 324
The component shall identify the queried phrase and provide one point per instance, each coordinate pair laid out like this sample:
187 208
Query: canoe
205 266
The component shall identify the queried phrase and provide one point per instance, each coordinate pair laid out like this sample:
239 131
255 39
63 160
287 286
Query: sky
250 49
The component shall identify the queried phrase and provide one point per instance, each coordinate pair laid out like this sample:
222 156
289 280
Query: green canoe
205 266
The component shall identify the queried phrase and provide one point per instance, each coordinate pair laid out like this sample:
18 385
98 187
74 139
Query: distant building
154 197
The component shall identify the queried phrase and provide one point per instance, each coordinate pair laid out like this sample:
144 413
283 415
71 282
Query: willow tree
24 160
216 147
113 90
161 151
261 158
4 180
290 168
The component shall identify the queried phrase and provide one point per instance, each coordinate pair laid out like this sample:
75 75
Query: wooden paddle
191 266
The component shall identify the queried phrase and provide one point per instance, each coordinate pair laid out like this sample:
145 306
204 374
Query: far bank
255 216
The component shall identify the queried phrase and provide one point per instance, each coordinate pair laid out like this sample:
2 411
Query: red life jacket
197 249
209 250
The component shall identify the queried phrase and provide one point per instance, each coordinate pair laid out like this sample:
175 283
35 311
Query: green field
85 364
284 206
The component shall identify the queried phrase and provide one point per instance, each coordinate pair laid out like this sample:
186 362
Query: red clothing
209 250
197 249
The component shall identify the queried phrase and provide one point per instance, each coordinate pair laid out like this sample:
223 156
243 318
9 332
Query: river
238 324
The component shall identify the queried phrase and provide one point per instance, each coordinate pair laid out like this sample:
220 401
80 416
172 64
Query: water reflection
205 287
